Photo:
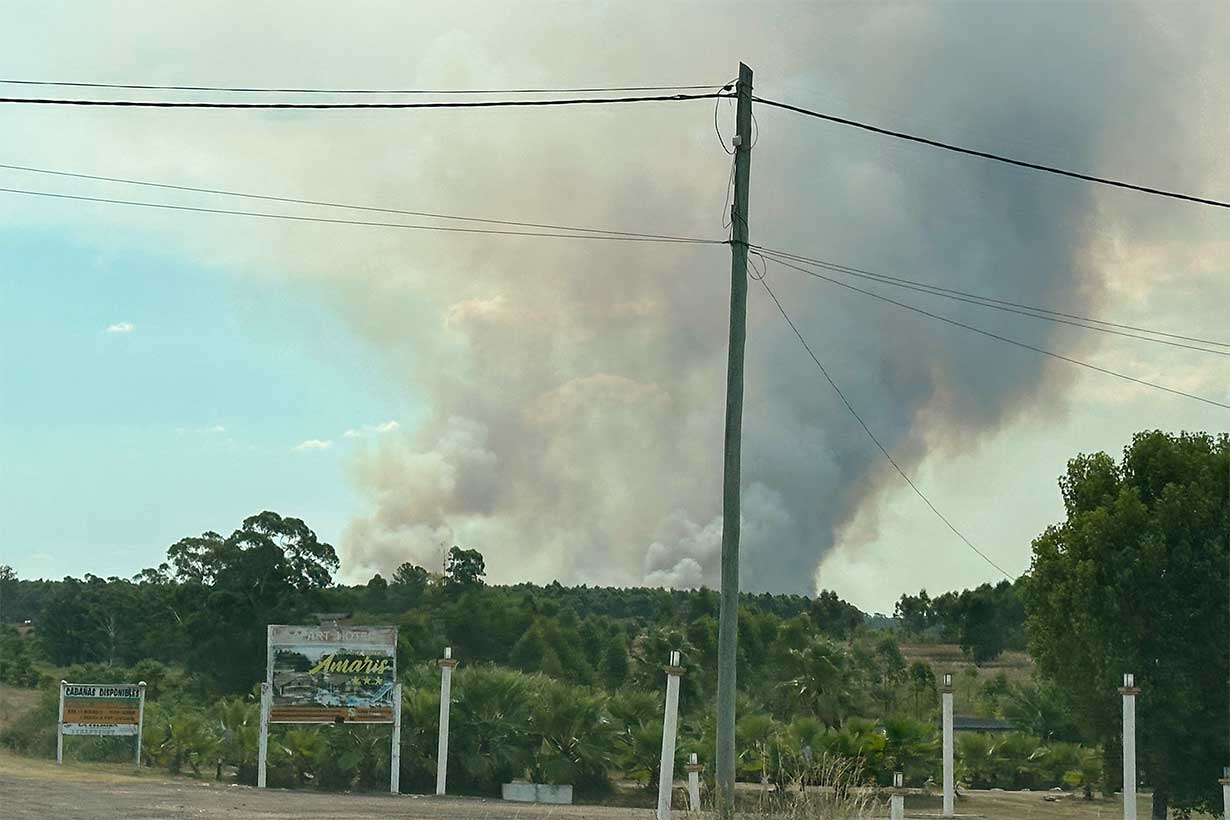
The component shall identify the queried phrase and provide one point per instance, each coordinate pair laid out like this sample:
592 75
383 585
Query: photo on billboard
332 675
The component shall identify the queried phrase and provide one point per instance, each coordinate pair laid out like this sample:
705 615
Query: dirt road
38 790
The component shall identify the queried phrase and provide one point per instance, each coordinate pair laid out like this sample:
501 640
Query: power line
344 205
327 220
422 91
934 290
1006 339
848 269
380 105
996 157
840 394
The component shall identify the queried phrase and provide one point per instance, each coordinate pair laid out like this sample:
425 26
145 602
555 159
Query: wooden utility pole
728 626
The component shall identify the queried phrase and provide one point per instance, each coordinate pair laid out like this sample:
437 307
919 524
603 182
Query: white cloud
121 327
372 429
313 444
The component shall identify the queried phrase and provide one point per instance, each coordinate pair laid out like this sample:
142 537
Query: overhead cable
995 157
1005 339
422 91
327 220
993 304
372 105
848 269
331 204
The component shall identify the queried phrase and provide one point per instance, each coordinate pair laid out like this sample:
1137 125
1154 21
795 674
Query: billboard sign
101 709
332 674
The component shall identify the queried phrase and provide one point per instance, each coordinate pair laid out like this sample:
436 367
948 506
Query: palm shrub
576 740
1084 769
179 737
861 740
420 723
637 720
910 747
490 722
238 724
355 755
296 755
757 738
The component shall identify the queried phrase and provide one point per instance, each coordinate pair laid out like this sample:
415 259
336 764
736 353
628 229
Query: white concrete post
395 755
666 774
60 727
140 719
694 768
1129 692
949 791
262 743
447 664
1225 791
896 802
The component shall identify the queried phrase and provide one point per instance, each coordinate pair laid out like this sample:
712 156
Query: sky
558 404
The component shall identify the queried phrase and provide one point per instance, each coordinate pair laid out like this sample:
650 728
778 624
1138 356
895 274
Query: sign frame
100 692
322 699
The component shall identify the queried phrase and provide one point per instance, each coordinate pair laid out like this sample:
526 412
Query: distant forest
205 609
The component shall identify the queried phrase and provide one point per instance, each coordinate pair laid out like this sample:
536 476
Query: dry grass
948 657
14 703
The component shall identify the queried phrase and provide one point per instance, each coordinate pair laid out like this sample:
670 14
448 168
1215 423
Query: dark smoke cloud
574 390
576 434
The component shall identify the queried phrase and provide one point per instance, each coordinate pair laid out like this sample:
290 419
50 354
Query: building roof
968 723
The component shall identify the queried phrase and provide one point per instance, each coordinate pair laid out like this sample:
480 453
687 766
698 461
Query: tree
1135 580
980 635
270 570
8 584
614 663
464 568
914 612
377 593
922 687
411 575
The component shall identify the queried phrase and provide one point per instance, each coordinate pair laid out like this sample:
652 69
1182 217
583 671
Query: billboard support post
262 747
140 720
60 727
395 755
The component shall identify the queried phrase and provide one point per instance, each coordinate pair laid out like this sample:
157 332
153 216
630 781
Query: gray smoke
576 413
573 390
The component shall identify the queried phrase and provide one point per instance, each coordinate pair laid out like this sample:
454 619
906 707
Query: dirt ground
38 789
